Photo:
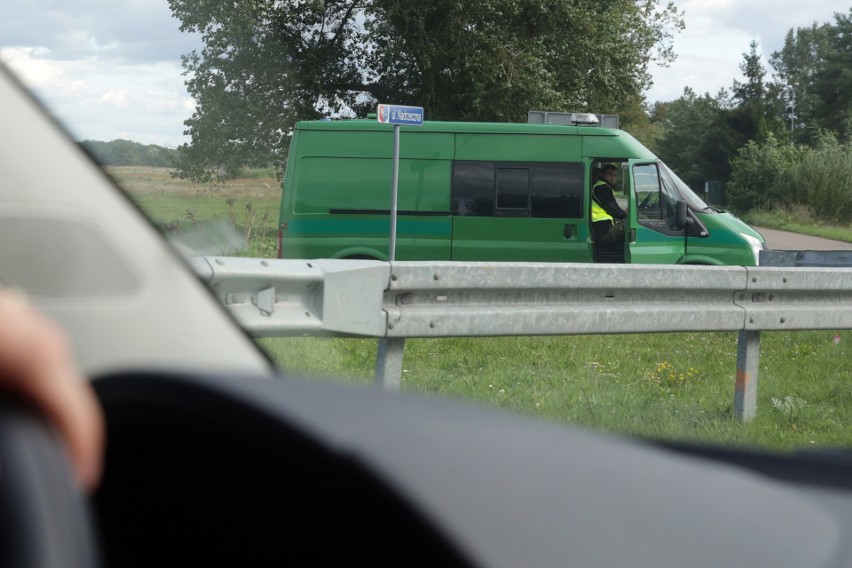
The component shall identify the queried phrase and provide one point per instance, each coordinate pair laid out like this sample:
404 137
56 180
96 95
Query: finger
36 363
71 405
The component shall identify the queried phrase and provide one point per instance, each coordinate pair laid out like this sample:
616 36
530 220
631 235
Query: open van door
657 217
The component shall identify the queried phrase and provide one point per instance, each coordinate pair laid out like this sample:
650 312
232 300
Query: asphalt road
782 240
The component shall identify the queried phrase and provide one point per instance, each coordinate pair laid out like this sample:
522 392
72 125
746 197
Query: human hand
37 366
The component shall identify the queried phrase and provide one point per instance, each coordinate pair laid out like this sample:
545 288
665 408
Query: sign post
397 115
389 356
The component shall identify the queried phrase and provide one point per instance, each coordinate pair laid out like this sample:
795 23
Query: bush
779 175
822 180
758 174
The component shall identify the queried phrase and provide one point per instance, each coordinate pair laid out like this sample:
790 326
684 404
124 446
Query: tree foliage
757 179
779 174
702 135
267 63
815 69
712 138
758 103
127 153
832 81
803 53
695 137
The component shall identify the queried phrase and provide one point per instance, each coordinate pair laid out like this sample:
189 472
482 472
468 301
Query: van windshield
695 202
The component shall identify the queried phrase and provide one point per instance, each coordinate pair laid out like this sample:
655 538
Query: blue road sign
395 114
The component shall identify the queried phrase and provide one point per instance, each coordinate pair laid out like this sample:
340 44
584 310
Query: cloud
117 99
103 67
129 30
769 20
144 102
718 34
31 65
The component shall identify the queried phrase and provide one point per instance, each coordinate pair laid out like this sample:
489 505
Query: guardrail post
748 365
389 363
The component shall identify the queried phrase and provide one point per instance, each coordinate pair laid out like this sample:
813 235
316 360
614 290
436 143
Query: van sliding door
518 211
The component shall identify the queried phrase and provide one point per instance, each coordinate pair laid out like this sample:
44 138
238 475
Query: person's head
609 173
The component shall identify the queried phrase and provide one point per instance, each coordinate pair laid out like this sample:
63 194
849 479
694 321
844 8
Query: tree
696 142
640 121
758 104
815 66
267 63
832 80
803 53
704 134
127 153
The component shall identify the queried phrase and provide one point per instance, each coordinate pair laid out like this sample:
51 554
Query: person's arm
37 366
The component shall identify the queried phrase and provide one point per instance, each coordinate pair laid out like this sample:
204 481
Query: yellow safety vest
598 213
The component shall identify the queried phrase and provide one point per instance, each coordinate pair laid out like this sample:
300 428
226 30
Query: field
178 207
669 386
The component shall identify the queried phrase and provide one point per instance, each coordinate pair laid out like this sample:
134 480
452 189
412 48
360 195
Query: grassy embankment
671 386
798 221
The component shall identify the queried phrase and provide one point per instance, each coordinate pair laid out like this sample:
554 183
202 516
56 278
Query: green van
491 192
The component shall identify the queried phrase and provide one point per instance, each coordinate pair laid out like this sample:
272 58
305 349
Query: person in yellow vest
607 216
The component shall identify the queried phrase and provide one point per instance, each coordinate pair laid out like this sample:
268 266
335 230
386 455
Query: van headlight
756 247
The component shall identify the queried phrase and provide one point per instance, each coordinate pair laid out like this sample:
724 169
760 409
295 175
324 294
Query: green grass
176 206
798 221
664 386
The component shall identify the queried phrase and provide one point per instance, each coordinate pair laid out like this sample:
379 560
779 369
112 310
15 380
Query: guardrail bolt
771 297
264 263
750 320
394 277
433 324
785 280
220 262
436 276
391 325
783 320
754 279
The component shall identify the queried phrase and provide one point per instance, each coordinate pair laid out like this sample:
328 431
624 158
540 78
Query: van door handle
568 232
631 236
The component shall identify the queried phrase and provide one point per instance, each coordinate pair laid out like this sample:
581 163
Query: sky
111 69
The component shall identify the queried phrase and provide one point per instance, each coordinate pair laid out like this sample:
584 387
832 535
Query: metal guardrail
394 301
278 298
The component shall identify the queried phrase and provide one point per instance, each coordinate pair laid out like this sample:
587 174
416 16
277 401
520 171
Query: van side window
646 184
557 191
518 189
513 192
473 188
656 197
